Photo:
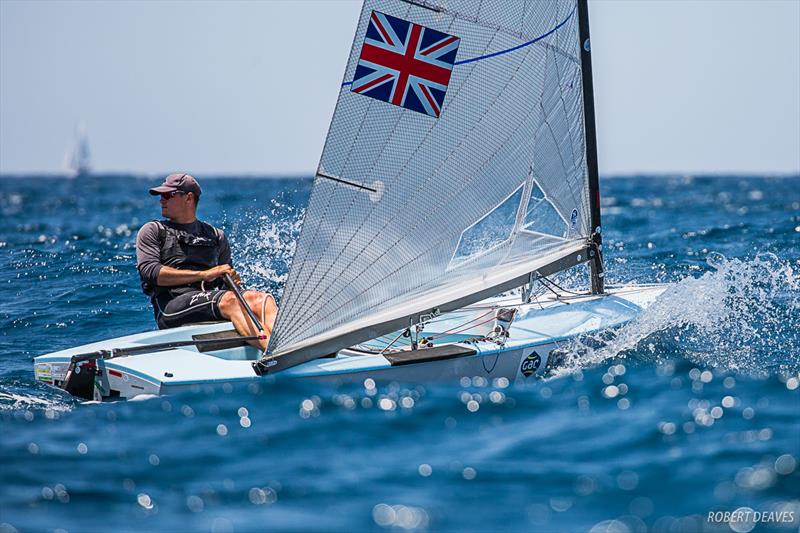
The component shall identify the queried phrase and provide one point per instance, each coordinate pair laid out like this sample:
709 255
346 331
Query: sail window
492 230
542 217
536 194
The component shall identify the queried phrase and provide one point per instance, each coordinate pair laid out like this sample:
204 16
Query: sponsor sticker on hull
530 364
44 373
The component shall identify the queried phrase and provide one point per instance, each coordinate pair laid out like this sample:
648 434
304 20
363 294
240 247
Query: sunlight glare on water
736 316
690 409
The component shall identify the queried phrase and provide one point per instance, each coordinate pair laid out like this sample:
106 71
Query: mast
596 263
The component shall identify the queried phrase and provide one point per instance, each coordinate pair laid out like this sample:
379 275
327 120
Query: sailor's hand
218 271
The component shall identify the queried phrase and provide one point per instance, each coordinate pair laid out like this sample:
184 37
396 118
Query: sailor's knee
254 299
227 303
269 305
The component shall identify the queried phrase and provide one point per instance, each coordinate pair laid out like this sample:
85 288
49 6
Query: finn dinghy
460 163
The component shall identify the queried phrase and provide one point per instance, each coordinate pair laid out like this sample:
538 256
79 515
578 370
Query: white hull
538 329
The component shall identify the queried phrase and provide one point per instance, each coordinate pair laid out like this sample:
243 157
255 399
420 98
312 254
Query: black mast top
591 148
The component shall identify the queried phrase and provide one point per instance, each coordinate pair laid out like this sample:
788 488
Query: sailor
182 261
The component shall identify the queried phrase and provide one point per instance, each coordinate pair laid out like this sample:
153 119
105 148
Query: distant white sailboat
77 160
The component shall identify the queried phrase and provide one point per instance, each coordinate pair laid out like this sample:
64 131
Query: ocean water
690 410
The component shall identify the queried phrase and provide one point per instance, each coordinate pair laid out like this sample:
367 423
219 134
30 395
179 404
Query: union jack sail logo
405 64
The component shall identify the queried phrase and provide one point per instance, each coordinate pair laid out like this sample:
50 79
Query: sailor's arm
148 263
169 276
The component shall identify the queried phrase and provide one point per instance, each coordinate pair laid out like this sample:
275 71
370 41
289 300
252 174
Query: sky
249 87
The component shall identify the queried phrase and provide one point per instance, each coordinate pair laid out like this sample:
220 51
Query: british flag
405 64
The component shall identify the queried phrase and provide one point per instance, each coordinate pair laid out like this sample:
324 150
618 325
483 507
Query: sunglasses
168 195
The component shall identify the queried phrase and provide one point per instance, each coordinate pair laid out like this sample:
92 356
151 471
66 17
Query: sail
455 162
77 161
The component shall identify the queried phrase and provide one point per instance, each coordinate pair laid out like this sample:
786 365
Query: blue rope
523 45
501 52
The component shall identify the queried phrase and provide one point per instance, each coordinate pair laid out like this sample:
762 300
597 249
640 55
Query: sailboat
77 160
458 176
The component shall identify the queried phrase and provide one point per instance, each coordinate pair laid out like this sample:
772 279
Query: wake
13 400
741 316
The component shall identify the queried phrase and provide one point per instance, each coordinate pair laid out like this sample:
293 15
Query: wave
263 245
21 397
741 316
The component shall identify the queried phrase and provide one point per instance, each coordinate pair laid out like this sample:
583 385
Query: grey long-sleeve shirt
148 249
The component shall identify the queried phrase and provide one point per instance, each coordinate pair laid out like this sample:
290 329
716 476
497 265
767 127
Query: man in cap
182 261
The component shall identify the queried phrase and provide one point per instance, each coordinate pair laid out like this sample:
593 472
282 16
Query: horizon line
310 174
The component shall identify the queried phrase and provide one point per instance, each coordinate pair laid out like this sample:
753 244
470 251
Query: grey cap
178 182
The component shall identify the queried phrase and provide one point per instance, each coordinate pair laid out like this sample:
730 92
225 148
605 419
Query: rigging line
560 287
385 339
395 340
523 45
483 362
465 325
558 296
461 328
536 299
548 280
508 50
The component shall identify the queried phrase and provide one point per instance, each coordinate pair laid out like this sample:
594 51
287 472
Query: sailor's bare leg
231 309
263 305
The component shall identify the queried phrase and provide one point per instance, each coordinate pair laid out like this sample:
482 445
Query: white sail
77 161
436 188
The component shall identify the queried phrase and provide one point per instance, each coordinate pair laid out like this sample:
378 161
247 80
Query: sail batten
445 175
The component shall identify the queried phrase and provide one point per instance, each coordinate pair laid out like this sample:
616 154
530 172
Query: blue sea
686 420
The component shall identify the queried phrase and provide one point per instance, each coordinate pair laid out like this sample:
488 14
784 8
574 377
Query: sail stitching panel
295 277
546 115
